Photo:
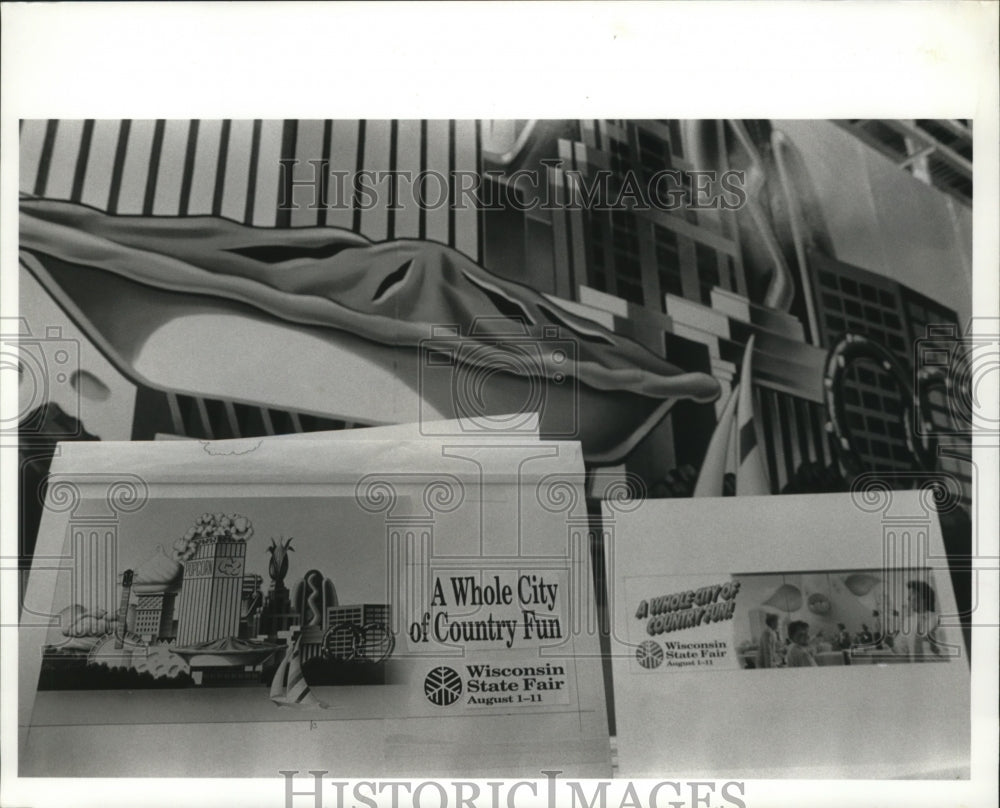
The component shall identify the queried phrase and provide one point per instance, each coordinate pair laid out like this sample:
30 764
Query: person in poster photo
843 637
769 646
895 640
865 637
928 641
798 655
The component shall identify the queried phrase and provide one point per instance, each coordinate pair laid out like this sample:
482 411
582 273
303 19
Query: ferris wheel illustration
349 642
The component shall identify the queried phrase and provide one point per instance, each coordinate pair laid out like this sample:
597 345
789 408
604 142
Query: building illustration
251 601
192 615
154 615
210 596
359 631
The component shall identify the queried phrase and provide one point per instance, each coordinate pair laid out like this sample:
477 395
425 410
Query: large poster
268 605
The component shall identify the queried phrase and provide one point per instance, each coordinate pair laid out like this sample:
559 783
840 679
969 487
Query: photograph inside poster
795 620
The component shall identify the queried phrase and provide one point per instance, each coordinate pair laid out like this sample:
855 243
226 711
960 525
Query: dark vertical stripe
632 139
192 147
285 671
451 183
786 438
816 420
746 440
119 166
608 249
48 144
324 180
175 413
390 222
81 160
202 605
777 436
220 170
220 612
763 409
205 608
201 412
186 616
289 135
154 167
358 168
480 228
252 174
422 218
565 203
801 416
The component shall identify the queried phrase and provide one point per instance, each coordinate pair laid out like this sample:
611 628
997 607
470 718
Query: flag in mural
719 458
735 446
751 476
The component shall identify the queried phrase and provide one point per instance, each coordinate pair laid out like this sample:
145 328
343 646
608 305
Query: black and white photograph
857 617
795 620
385 404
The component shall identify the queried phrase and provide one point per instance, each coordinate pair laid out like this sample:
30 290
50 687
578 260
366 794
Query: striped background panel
231 168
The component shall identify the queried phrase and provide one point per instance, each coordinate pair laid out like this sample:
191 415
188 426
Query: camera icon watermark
499 378
951 375
44 365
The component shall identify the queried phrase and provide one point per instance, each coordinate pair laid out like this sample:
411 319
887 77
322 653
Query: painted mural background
853 237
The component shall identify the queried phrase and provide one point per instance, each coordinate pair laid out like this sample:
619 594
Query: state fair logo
649 654
443 686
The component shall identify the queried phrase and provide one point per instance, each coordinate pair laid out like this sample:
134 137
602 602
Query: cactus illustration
277 567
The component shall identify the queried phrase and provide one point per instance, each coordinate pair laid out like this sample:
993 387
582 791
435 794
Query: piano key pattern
232 169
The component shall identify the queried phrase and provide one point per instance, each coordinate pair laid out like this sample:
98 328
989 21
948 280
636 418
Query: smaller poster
816 637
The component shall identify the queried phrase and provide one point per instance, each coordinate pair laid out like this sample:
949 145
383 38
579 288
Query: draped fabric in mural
250 277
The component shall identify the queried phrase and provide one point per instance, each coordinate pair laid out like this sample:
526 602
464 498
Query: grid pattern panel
628 269
872 404
707 261
850 306
668 263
